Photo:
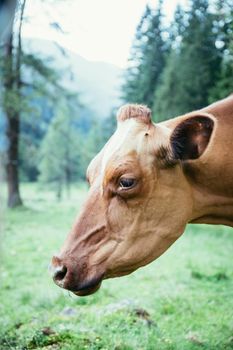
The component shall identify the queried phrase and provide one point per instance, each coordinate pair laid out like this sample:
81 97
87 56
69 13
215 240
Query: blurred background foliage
50 129
185 66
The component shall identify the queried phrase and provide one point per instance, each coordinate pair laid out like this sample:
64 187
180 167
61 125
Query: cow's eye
126 183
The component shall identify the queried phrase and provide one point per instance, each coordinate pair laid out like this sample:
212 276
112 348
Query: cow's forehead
125 140
128 140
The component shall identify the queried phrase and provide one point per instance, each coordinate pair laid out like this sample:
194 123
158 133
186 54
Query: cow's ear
191 137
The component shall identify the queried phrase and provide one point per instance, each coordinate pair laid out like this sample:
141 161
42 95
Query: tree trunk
59 189
13 83
12 131
68 180
14 198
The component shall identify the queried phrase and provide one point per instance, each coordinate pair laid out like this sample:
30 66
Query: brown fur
182 171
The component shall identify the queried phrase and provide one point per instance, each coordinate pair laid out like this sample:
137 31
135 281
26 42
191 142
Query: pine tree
192 70
166 103
61 151
11 100
167 96
147 58
224 29
15 98
177 28
131 88
200 57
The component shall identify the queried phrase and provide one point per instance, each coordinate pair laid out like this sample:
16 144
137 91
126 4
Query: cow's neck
212 203
211 208
211 176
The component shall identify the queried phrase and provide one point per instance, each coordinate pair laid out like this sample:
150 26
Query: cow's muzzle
74 277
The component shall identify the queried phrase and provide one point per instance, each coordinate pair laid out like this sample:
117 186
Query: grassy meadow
182 301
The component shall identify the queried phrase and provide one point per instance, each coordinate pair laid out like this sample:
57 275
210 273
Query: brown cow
146 184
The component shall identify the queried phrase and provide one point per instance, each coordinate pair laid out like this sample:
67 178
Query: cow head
139 200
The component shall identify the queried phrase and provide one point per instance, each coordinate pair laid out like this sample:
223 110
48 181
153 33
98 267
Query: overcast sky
99 30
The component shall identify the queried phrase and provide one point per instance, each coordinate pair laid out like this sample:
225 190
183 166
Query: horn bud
139 112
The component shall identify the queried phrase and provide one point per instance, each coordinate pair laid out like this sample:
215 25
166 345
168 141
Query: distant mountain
97 82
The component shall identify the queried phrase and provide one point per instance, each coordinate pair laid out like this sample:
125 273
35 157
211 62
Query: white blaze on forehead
124 129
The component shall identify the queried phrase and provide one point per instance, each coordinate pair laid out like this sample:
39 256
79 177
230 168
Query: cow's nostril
60 273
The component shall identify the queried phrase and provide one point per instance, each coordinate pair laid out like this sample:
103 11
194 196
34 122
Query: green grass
184 300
